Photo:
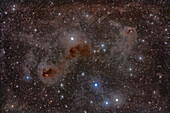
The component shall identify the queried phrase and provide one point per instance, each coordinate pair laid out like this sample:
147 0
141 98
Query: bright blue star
95 85
106 102
27 77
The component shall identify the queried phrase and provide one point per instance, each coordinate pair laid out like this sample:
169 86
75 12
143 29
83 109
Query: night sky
84 56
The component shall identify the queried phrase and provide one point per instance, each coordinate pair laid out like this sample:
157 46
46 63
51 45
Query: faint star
87 15
82 73
150 14
130 69
62 85
102 45
140 58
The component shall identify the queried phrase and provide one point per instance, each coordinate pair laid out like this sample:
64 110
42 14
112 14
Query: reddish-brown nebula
51 72
79 50
129 31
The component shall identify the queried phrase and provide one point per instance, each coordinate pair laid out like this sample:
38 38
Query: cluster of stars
126 40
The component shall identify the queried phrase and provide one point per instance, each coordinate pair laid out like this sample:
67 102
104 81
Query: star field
84 56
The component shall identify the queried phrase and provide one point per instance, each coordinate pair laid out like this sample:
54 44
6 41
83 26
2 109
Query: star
88 56
27 77
130 69
95 85
106 103
72 38
102 45
83 74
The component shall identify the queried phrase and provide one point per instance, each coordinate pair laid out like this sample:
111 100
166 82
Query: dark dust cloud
84 56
